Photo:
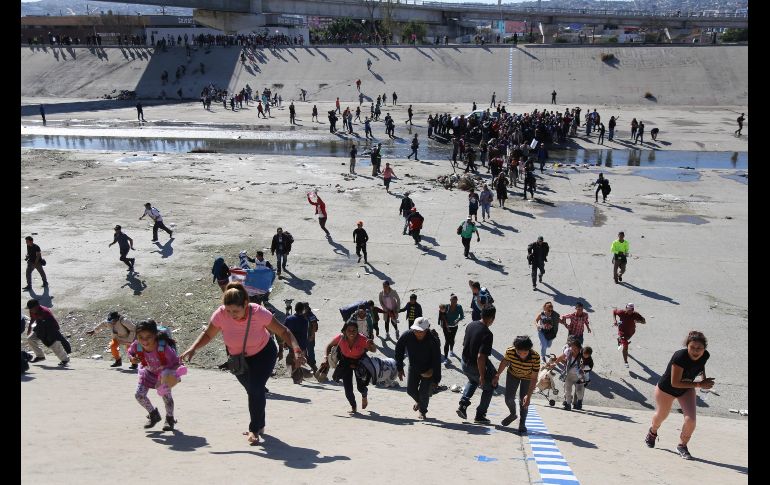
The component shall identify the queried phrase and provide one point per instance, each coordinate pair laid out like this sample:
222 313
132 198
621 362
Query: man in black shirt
298 325
34 261
424 362
537 255
125 243
477 347
281 247
405 209
360 237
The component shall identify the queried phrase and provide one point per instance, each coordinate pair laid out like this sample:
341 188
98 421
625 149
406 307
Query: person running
537 256
246 330
465 231
298 325
220 273
415 221
320 210
387 176
161 369
125 244
578 323
34 261
360 237
424 363
409 113
620 252
737 132
351 347
478 369
485 198
678 382
453 315
603 185
45 330
154 214
547 325
480 298
415 146
626 328
123 333
391 304
261 111
523 365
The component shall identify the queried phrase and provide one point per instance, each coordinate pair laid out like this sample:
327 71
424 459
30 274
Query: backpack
459 229
164 339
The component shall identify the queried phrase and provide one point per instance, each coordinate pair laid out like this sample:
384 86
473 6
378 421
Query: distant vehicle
480 112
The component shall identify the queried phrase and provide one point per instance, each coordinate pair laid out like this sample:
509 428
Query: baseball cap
112 317
630 306
421 324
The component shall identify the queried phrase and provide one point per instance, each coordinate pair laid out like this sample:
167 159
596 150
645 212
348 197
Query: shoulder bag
236 364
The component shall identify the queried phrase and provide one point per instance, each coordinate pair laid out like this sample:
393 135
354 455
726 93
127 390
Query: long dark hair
161 333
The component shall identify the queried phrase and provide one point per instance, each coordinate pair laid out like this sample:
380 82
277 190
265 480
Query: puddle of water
697 220
578 213
429 150
742 177
668 174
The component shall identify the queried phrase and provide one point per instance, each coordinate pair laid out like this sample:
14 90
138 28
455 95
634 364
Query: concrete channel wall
673 75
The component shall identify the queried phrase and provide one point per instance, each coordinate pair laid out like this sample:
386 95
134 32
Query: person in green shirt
466 230
453 314
619 250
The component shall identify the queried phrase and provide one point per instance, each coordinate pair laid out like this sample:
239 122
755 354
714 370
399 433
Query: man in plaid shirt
577 321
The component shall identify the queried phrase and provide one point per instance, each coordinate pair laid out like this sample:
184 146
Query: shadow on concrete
178 441
281 397
574 440
649 293
370 269
292 456
606 415
44 298
740 469
305 286
562 299
468 428
520 213
81 106
338 248
432 252
165 250
611 389
134 283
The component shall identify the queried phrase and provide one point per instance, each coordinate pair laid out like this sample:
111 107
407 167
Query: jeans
280 260
611 134
361 248
260 366
39 268
472 373
418 389
485 210
535 266
449 339
545 344
511 384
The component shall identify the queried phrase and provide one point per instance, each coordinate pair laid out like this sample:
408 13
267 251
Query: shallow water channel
399 148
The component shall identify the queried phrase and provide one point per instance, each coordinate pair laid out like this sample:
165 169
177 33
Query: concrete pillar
228 22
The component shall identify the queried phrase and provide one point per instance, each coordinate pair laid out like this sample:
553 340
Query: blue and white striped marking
551 465
510 75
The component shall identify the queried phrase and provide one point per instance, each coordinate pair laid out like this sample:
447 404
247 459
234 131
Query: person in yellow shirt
619 250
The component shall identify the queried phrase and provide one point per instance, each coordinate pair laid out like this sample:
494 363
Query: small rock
728 217
97 357
188 294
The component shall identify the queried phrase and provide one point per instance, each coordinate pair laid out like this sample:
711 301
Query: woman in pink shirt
352 347
320 209
387 174
231 319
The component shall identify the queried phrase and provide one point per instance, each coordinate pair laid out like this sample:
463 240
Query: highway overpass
222 11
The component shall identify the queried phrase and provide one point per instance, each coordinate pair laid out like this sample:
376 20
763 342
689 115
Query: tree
735 35
413 27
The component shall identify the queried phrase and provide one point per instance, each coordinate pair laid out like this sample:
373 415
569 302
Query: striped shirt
522 369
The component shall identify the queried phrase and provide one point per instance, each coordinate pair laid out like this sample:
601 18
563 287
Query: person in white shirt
154 214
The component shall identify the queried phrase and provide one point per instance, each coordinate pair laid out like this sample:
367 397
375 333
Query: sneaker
37 359
684 452
152 419
522 429
170 422
650 438
63 363
117 363
26 288
508 420
620 277
482 420
153 240
534 287
133 366
421 416
626 364
567 406
461 411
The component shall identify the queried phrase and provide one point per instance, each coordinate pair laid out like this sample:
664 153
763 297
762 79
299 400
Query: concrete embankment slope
674 75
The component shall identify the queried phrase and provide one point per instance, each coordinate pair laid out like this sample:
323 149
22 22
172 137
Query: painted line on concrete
553 468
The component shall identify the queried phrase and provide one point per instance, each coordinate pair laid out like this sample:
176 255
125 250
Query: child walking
123 333
160 369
